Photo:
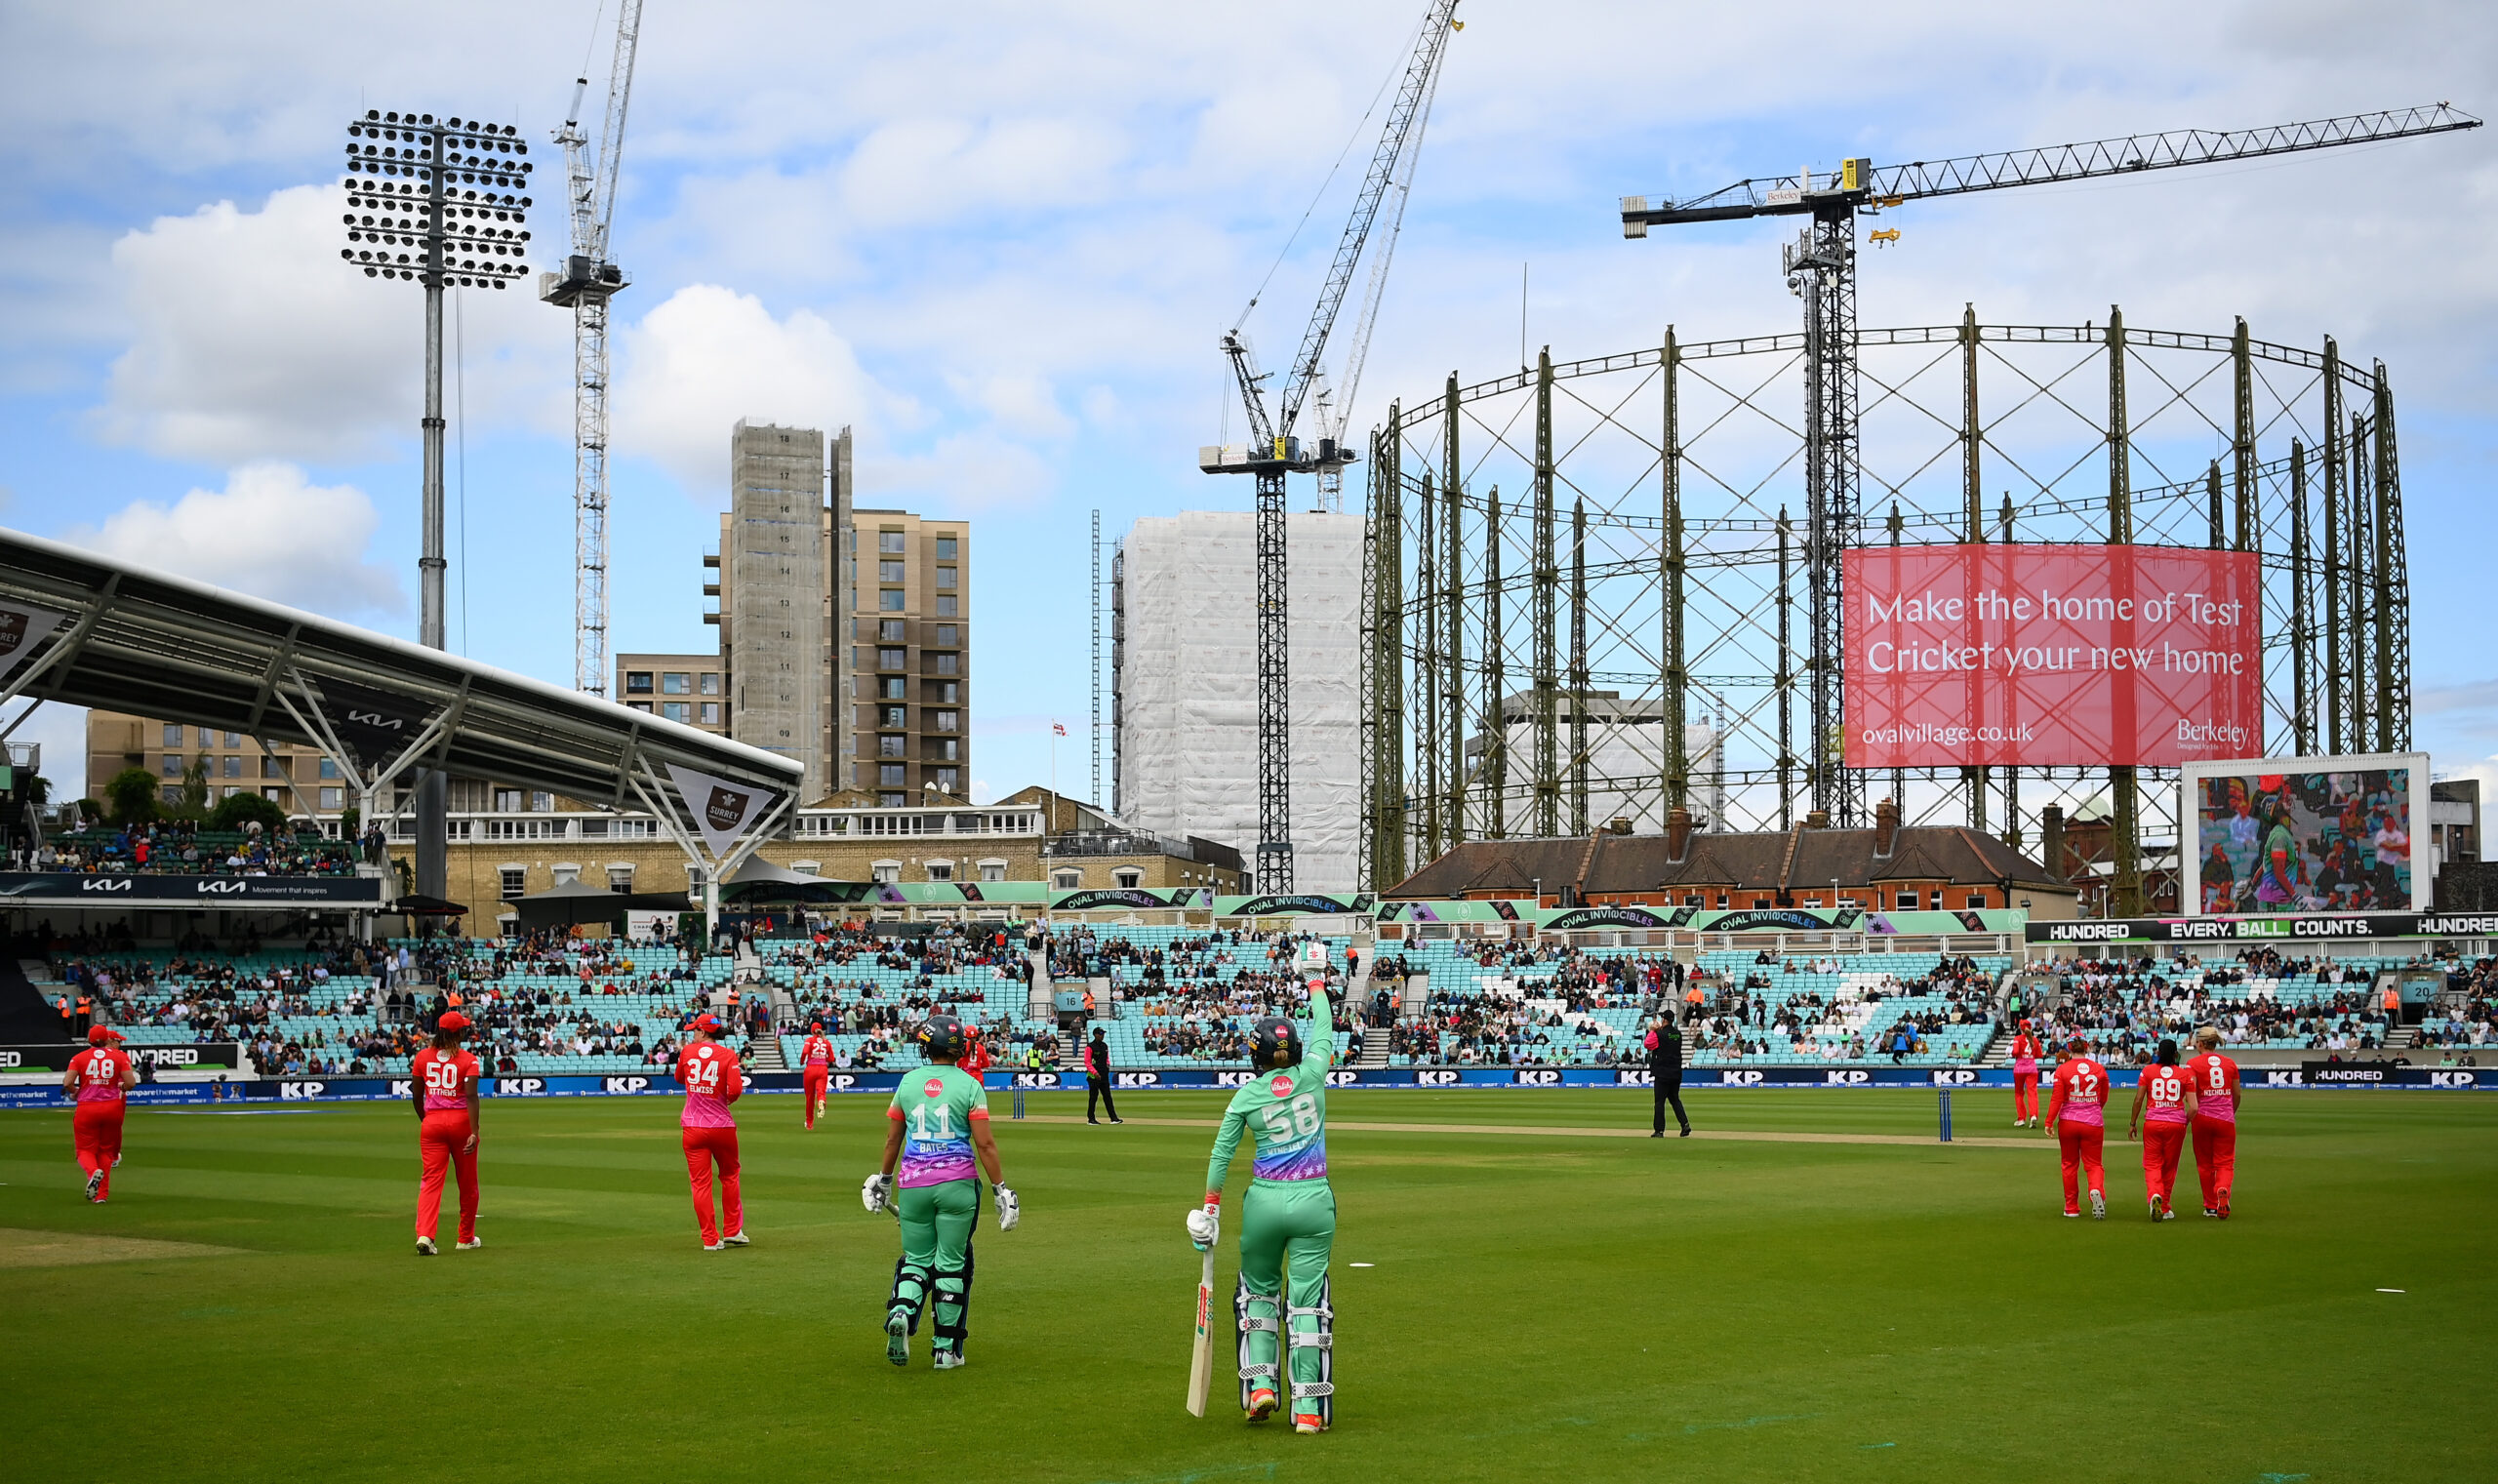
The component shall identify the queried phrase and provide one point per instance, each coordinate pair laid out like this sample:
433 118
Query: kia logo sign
104 884
226 887
726 809
376 720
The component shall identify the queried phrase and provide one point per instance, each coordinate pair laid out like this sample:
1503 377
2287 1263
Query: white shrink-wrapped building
1185 675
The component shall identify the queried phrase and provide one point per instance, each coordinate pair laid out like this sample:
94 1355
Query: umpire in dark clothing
1665 1071
1097 1078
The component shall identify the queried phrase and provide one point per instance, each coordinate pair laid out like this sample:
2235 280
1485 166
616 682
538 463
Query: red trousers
2215 1159
442 1140
2025 1096
2079 1144
816 1079
701 1147
95 1127
2162 1143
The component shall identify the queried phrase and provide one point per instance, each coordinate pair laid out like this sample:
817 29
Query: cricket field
1812 1288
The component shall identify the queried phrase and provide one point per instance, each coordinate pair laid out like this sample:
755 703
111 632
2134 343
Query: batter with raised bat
1287 1220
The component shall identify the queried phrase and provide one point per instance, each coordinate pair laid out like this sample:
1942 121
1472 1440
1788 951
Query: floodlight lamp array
436 201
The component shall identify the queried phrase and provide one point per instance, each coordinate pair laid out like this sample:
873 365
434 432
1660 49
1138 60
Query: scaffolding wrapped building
1184 684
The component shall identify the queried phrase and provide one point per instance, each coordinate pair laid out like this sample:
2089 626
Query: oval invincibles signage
2004 654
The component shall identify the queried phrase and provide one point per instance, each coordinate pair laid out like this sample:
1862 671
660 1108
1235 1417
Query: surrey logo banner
722 811
22 628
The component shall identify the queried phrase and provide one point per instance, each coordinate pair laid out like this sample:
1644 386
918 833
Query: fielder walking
1287 1220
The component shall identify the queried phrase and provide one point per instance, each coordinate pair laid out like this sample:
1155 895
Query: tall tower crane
1272 451
584 286
1821 270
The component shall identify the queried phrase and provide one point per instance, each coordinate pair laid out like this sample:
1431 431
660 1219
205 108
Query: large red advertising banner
2040 655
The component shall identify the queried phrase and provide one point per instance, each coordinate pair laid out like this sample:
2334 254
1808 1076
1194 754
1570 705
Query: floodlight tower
435 202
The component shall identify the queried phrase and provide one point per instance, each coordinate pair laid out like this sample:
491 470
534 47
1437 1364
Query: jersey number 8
1297 1117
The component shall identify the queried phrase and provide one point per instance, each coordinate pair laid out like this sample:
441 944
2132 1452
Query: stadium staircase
1375 1041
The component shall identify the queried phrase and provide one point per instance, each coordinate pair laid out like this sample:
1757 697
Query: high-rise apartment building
776 643
907 596
299 779
692 689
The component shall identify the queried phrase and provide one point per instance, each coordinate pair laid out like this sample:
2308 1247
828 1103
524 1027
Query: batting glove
877 1192
1010 1210
1204 1226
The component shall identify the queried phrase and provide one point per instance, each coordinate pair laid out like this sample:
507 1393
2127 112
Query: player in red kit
814 1065
2076 1109
713 1081
2215 1126
2170 1098
443 1084
976 1057
95 1081
2025 1077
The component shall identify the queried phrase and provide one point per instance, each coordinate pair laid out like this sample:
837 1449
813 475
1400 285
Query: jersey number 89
1285 1120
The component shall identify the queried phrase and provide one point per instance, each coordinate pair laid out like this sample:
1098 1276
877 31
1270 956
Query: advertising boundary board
2300 927
297 1090
122 889
184 1055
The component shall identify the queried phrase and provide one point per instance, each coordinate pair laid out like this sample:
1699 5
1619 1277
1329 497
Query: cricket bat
1202 1358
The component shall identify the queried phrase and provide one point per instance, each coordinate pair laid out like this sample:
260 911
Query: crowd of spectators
2125 1007
181 847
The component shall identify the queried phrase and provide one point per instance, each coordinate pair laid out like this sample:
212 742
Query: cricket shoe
2072 1216
2223 1211
715 1246
736 1238
2098 1207
95 1183
2209 1211
2159 1212
470 1245
1262 1405
898 1337
116 1161
425 1248
1308 1421
947 1358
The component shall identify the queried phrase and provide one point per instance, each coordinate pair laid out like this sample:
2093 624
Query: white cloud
709 356
250 340
269 534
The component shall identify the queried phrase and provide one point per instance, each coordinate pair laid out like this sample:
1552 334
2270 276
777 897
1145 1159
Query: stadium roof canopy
86 630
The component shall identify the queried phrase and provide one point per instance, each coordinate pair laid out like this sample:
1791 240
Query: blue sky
1001 241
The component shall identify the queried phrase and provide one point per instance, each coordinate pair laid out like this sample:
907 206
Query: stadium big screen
2306 834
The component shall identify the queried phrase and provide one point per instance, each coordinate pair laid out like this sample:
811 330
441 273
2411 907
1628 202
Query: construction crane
584 286
1272 451
1821 270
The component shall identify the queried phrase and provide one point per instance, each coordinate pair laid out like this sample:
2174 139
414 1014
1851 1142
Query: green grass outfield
1542 1305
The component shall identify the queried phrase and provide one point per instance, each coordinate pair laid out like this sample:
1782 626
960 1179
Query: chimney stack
1621 824
1886 828
1818 819
1677 834
2051 840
